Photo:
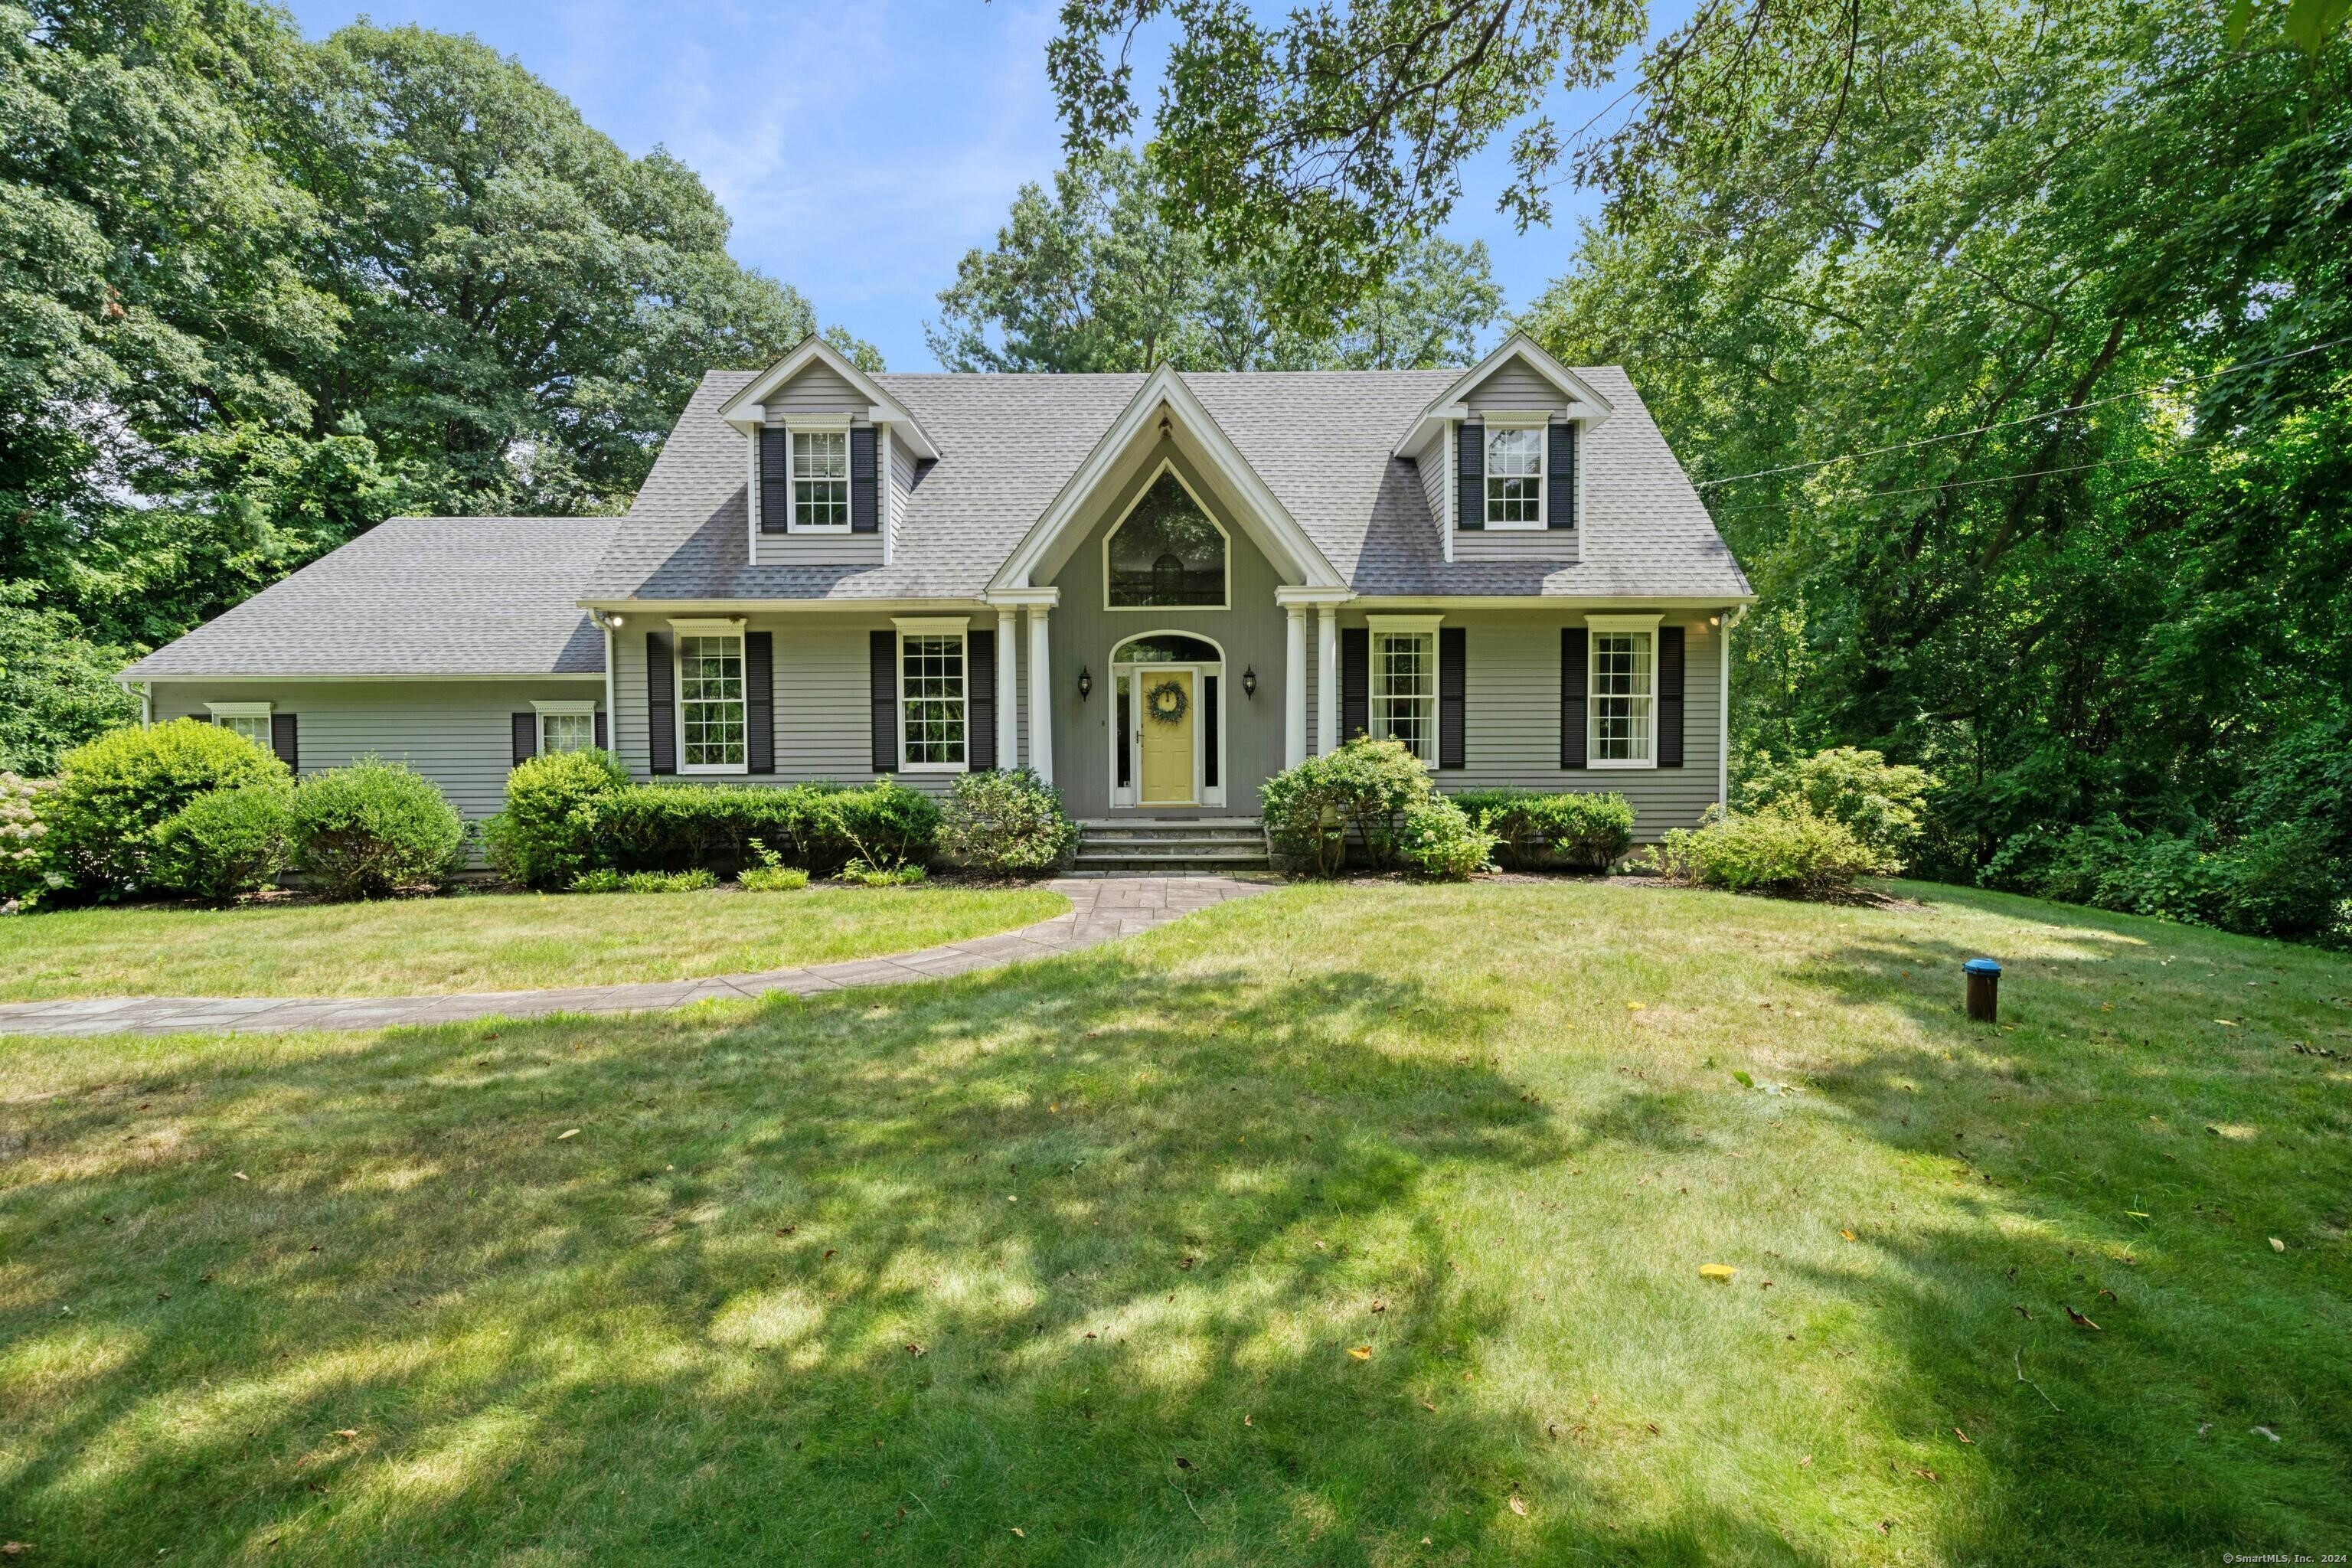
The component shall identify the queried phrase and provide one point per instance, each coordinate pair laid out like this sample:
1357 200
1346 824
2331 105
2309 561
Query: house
1157 590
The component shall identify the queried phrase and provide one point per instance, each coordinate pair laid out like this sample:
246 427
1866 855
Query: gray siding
1508 545
896 493
1516 388
1252 633
458 733
1436 465
815 390
821 549
1511 717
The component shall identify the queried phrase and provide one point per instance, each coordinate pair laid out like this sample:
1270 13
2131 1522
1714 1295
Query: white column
1008 689
1293 692
1041 696
1722 714
1327 680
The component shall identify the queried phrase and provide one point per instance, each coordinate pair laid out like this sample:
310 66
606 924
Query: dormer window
1514 475
820 481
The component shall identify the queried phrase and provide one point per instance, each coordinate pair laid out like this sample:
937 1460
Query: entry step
1171 844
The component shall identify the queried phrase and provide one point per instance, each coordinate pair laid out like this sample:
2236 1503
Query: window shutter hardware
1452 688
759 703
1575 649
661 704
1471 468
865 516
882 662
1560 477
1670 697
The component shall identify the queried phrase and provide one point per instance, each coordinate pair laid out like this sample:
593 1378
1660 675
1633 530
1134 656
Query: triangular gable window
1166 552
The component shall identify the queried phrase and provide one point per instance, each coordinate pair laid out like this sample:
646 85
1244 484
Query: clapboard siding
821 549
1514 388
895 494
1508 545
458 733
815 390
1436 465
1511 715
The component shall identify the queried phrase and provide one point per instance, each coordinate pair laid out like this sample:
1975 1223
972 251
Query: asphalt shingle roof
1320 440
416 596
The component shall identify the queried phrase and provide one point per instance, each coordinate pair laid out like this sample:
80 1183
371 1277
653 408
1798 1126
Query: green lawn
1341 1226
486 942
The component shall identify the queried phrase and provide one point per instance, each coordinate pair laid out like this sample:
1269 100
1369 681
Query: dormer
829 458
1501 456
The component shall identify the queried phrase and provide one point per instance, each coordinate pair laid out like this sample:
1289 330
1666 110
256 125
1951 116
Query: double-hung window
820 481
931 698
566 726
1624 690
250 720
712 725
1514 475
1404 686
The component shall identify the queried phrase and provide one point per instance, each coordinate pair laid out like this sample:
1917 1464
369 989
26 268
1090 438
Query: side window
566 731
1624 693
820 480
932 698
1515 460
250 720
710 702
1404 690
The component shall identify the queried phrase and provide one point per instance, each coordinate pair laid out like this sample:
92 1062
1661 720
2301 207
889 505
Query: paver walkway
1102 909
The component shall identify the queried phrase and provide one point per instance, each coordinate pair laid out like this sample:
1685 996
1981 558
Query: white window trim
1518 421
958 628
569 708
818 425
1409 626
1225 601
729 627
223 712
1647 625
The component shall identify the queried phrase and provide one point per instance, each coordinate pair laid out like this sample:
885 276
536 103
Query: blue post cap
1981 966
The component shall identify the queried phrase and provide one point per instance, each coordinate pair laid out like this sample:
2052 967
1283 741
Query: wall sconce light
1714 620
1249 681
1086 684
611 620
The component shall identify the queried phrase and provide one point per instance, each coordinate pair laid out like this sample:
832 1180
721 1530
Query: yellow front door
1167 746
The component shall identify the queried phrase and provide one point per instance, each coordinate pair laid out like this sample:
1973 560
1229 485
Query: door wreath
1166 703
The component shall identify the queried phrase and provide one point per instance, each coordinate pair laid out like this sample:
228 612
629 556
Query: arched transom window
1166 552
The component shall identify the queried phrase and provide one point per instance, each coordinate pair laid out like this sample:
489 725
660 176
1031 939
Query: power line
2024 419
1947 485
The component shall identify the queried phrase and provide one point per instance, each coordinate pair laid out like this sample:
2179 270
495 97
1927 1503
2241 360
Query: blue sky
861 149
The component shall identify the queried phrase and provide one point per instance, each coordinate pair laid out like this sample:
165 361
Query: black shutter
882 663
1670 697
604 739
1209 731
775 479
1473 471
864 518
1126 751
1452 685
526 738
661 704
1574 645
1355 684
980 699
282 741
1559 511
759 701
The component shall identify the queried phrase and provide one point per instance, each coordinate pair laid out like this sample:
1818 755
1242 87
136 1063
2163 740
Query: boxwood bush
375 828
1006 822
1361 791
113 793
548 834
1536 828
228 842
1443 842
1788 847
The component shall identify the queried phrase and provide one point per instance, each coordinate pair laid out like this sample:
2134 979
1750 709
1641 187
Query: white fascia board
1584 402
1578 603
1285 597
1270 523
357 677
747 409
631 613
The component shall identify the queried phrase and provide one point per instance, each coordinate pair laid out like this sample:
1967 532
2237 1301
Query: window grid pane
1404 689
1514 476
566 731
254 728
1620 697
711 700
932 692
820 479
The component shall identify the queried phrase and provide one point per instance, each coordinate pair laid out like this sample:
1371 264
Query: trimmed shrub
375 828
1005 823
1536 828
112 794
886 826
229 842
550 831
607 881
24 873
1786 848
1364 788
1441 841
1880 804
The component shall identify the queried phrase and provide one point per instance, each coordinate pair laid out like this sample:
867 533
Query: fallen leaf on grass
1632 1008
1805 1462
1925 1474
15 1548
1720 1273
913 1349
1018 1530
1425 1405
1519 1506
240 1175
2079 1319
1743 1081
2277 1246
1248 1422
568 1132
347 1432
1963 1436
1849 1236
2225 1023
1361 1352
2266 1432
